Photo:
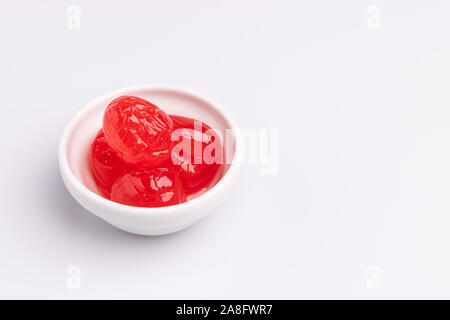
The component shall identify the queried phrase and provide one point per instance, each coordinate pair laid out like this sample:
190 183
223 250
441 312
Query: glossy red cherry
138 131
197 172
106 165
158 187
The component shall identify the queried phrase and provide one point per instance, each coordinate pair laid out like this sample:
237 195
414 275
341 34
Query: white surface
364 174
75 170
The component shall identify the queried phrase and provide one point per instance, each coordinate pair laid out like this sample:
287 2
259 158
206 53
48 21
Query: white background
359 208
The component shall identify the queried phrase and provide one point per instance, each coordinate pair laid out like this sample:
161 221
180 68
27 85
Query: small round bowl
76 174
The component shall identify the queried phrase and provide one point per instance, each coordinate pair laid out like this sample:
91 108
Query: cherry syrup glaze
106 165
138 130
197 167
146 158
157 187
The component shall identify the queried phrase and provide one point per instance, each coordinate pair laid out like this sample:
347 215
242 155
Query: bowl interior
89 121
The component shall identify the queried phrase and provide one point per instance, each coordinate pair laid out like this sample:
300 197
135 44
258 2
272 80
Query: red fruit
197 173
158 187
106 165
138 130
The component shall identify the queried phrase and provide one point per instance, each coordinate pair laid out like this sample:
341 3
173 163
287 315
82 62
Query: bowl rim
67 172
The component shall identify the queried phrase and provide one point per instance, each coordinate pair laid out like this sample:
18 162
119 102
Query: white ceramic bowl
76 174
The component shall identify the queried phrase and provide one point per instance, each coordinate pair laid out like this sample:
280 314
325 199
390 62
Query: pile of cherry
132 160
